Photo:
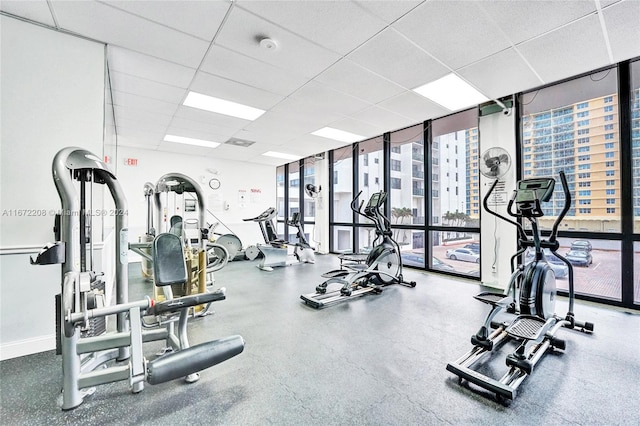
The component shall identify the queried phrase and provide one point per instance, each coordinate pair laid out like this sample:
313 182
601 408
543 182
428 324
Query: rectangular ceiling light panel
451 92
282 155
221 106
190 141
337 134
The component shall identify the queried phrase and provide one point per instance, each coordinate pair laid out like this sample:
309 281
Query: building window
583 140
608 127
584 166
584 202
611 182
610 173
376 160
395 149
584 175
435 193
611 210
608 136
582 114
609 154
584 157
611 192
335 177
610 163
365 160
396 183
376 181
396 165
611 200
584 210
608 118
584 184
583 131
365 180
608 99
583 123
608 108
583 149
585 193
608 145
582 105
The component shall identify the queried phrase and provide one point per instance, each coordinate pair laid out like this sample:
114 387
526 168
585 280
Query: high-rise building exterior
582 140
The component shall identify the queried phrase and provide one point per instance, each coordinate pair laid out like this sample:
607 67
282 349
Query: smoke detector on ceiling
268 44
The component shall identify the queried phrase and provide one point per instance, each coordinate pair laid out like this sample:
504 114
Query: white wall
52 97
499 239
234 177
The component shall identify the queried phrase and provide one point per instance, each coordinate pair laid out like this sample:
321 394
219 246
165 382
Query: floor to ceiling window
635 175
574 127
455 205
341 177
371 174
407 193
280 200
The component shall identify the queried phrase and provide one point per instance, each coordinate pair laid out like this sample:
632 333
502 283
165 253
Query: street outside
601 278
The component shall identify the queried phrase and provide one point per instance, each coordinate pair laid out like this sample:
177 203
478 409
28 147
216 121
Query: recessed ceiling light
451 92
190 141
282 155
221 106
338 135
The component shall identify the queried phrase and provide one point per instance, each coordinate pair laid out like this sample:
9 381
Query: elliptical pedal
526 327
493 299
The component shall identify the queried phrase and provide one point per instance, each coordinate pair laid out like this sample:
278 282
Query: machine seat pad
177 304
169 267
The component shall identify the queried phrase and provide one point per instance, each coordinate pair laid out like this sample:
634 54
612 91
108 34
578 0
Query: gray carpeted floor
375 360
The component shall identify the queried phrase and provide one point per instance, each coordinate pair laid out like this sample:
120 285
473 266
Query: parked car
417 260
440 265
475 247
560 269
579 257
464 254
581 245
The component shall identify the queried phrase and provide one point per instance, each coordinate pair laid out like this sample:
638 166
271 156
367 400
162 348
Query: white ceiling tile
457 33
303 111
234 66
142 87
131 136
554 58
324 97
389 11
185 127
392 56
141 116
211 118
279 126
623 26
384 118
337 25
126 124
522 20
198 18
134 142
194 133
349 77
233 91
501 74
153 106
180 148
358 127
414 106
242 32
113 26
35 10
137 64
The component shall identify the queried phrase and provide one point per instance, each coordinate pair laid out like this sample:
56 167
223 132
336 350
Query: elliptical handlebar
565 209
485 203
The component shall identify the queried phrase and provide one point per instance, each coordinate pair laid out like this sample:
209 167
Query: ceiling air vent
240 142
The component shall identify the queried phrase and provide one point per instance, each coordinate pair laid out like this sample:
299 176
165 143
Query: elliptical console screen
374 200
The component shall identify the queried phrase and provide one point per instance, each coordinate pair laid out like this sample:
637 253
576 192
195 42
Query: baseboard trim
27 347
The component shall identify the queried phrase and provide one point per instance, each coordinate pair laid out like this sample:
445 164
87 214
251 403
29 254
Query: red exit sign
130 161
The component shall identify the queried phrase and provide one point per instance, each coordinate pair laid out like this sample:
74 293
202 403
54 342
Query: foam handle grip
193 359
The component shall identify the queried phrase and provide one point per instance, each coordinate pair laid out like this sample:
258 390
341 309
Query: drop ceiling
349 65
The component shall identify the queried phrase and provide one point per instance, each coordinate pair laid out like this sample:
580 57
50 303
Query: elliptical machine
383 266
275 250
530 297
303 250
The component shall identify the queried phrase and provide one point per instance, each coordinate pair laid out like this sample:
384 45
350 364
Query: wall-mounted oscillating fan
495 163
312 191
